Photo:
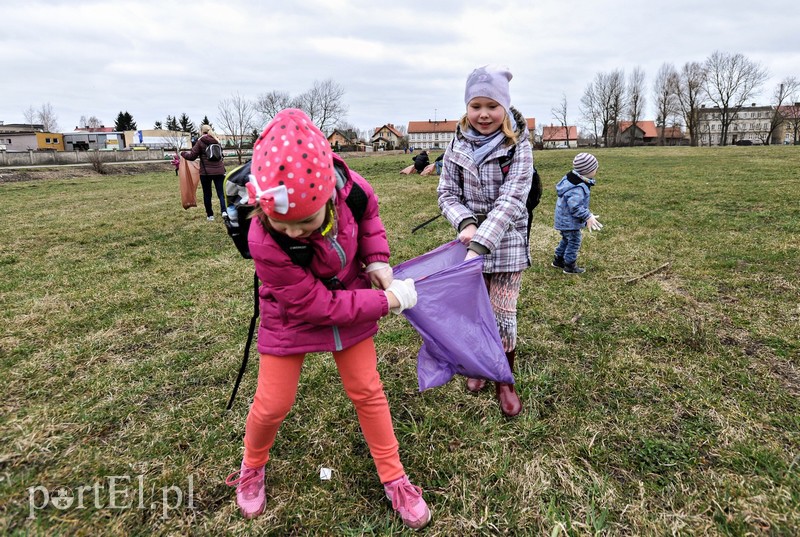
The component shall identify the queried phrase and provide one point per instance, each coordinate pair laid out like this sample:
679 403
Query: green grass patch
654 404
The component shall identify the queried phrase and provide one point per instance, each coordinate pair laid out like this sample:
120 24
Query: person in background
487 206
176 161
328 306
420 161
210 172
438 164
572 212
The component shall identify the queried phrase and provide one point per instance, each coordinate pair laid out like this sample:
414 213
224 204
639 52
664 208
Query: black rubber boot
573 268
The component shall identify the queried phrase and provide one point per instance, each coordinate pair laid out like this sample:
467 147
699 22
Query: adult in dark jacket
209 171
420 161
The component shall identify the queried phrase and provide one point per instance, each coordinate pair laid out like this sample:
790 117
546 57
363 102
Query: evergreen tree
207 122
172 124
158 126
186 125
124 122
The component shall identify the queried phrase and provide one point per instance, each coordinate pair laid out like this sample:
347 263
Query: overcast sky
398 61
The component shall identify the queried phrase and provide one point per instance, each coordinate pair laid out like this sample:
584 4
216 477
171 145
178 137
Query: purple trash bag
454 317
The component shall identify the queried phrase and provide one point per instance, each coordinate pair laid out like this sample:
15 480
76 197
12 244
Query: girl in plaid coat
487 206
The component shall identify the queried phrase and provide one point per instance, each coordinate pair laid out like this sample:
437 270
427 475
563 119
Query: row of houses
750 125
437 134
753 124
430 134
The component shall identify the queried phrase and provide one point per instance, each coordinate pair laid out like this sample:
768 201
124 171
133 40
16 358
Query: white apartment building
751 124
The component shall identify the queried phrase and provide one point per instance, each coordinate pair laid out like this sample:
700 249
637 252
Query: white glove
593 224
405 293
380 274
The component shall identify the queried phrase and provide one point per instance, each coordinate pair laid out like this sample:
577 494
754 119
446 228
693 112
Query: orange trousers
277 388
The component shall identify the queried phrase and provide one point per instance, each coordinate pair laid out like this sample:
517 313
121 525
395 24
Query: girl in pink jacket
329 305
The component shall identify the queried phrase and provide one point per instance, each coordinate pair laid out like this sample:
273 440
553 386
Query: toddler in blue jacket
572 211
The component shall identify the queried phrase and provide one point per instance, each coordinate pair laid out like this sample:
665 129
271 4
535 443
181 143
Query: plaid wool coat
468 191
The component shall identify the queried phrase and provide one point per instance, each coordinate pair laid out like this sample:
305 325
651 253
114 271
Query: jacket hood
565 185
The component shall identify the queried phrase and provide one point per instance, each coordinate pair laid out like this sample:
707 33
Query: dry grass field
661 388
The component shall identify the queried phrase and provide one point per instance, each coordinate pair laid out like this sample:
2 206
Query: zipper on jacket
337 340
339 251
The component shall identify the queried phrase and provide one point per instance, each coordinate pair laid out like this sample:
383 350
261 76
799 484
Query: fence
56 158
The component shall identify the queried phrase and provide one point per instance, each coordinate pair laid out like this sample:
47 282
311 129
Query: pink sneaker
250 495
407 501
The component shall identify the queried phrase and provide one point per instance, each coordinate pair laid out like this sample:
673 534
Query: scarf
482 144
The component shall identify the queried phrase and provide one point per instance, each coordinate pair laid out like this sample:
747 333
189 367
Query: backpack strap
505 162
357 199
302 253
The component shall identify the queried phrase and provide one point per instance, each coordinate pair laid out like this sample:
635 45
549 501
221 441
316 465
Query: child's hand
593 224
401 295
380 274
466 234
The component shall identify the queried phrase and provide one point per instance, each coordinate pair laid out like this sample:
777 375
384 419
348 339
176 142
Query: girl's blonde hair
206 129
330 216
507 127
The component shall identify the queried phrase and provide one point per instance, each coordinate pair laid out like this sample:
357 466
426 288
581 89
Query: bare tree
665 90
590 110
636 100
560 115
784 93
323 104
92 123
237 120
731 80
690 97
30 115
608 99
175 139
48 118
267 105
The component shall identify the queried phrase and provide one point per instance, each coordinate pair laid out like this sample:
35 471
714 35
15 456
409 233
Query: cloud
397 62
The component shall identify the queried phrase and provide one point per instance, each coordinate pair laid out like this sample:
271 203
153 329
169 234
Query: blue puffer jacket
572 205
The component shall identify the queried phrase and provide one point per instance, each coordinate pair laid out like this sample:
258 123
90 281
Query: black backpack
535 193
213 152
300 253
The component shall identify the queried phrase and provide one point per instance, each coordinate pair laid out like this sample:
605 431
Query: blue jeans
438 167
569 245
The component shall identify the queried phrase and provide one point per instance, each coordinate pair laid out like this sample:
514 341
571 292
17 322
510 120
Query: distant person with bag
487 205
212 169
327 306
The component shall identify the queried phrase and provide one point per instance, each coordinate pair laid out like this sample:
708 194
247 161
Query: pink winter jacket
298 313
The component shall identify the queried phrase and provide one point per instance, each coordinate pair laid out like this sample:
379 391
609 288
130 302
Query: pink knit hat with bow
291 174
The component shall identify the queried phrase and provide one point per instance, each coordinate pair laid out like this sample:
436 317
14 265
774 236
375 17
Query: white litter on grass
325 474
